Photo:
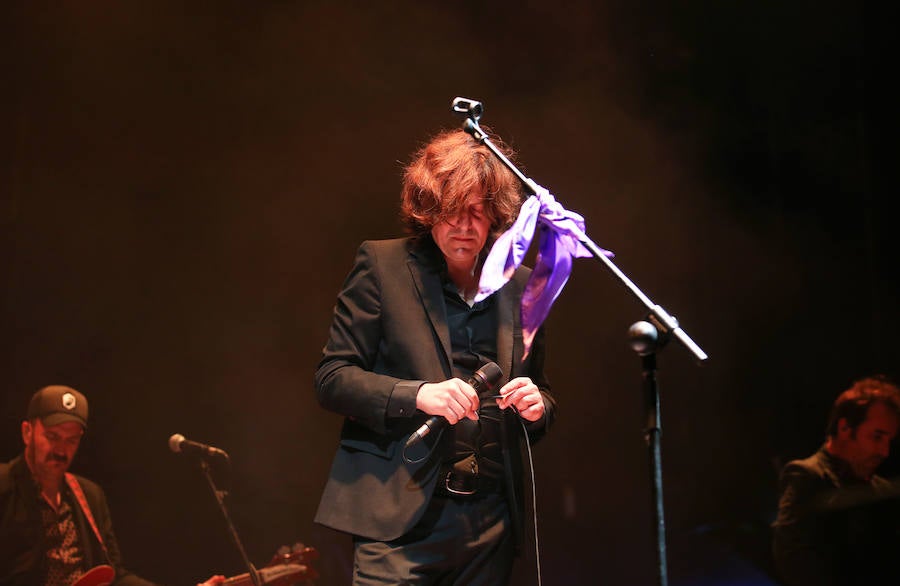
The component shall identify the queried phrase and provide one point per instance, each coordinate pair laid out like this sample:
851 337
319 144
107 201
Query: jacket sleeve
537 429
345 380
799 554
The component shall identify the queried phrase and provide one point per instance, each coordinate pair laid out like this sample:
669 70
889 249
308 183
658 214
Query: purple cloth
559 240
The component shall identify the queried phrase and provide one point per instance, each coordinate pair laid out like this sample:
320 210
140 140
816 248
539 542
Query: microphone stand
644 341
220 499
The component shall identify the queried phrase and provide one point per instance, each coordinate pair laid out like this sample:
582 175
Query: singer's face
462 237
50 450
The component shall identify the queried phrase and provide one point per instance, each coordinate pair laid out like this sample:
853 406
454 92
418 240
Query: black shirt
473 338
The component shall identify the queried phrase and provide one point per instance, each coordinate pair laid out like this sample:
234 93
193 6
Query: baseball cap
57 404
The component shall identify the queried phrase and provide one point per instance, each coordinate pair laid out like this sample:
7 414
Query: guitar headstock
289 567
298 555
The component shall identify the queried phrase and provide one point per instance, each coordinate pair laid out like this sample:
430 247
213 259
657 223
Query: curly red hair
453 171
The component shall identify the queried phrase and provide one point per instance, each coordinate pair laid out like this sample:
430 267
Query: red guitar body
99 576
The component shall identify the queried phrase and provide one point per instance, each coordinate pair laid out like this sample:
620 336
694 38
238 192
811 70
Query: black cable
537 546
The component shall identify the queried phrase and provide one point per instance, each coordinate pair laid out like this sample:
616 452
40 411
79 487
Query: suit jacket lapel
507 326
426 276
428 284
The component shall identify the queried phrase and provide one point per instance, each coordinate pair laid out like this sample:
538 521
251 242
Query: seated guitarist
54 526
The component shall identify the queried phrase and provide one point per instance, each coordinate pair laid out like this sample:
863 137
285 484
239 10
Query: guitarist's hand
213 580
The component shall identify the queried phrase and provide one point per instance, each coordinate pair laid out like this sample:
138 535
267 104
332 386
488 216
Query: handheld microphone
180 445
482 381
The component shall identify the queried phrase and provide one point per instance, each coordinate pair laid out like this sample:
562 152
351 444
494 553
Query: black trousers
457 542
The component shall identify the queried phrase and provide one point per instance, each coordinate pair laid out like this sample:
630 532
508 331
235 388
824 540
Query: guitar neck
272 575
241 580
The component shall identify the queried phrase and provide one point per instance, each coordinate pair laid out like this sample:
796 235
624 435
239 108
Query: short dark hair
448 172
853 404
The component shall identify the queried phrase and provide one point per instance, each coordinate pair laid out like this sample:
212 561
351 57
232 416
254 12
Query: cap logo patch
68 401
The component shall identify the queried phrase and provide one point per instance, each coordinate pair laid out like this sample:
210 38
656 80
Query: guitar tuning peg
298 547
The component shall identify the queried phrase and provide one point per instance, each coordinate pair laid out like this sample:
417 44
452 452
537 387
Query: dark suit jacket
22 547
832 528
389 335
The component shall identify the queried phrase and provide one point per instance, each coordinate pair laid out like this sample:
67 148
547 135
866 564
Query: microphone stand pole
220 499
662 323
645 341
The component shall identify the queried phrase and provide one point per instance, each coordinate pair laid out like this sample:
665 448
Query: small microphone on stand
180 445
482 381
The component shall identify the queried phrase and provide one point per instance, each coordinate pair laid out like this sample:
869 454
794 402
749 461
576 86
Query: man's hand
453 399
524 396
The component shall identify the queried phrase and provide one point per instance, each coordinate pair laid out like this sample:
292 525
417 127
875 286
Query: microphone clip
471 108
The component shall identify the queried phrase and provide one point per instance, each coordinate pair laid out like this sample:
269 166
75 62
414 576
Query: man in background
55 527
837 520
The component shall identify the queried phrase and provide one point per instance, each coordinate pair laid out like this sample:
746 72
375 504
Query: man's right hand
453 399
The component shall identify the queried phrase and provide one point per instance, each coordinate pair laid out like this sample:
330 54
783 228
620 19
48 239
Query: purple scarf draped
559 240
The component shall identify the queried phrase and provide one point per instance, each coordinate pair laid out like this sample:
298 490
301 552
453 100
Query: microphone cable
427 455
537 545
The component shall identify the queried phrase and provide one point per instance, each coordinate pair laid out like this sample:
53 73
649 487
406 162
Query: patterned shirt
64 552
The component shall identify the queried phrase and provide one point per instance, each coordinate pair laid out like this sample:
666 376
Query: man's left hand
524 395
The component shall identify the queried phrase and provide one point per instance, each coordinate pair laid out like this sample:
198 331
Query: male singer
406 337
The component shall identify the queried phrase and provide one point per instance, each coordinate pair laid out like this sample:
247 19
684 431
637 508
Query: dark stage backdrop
184 186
